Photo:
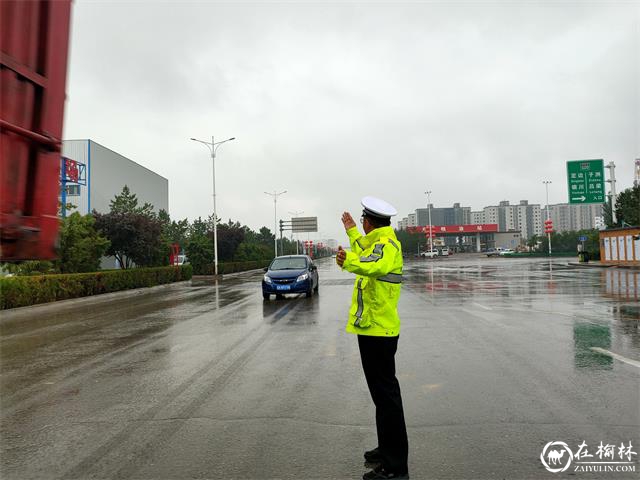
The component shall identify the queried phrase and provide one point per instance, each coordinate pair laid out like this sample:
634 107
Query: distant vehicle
428 254
444 252
506 251
493 252
182 260
290 274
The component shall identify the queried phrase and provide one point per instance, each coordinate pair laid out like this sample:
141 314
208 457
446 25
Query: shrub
31 290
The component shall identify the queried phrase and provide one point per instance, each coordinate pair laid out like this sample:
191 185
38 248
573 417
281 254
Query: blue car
290 274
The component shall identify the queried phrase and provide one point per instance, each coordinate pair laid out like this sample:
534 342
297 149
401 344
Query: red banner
451 229
71 170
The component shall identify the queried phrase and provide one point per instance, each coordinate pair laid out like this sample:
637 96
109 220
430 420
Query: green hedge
31 290
232 267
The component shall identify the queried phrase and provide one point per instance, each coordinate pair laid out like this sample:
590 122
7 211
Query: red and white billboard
456 229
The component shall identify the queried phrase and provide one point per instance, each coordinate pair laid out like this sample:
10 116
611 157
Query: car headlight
302 277
267 279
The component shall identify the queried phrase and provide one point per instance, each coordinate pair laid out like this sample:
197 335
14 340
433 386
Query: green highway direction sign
586 181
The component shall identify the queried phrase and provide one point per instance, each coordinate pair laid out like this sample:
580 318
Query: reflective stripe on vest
375 255
391 278
360 304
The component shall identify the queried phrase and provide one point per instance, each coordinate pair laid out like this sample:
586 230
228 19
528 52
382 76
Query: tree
412 241
199 245
68 207
135 238
199 250
127 202
532 243
607 213
81 246
230 235
628 206
253 251
566 242
134 232
172 233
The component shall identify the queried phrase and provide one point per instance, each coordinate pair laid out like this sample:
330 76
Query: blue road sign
582 238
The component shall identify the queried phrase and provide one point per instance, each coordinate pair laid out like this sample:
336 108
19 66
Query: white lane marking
616 356
481 306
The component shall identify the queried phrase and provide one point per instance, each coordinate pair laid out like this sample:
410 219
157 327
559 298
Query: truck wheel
266 296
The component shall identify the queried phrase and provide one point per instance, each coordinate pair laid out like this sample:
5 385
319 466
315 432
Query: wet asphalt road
495 360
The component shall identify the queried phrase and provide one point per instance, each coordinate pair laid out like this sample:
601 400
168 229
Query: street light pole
430 227
275 221
546 185
295 214
612 180
213 147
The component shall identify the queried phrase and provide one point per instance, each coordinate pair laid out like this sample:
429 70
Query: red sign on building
453 229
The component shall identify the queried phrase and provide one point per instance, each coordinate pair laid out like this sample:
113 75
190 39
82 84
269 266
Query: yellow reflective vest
376 259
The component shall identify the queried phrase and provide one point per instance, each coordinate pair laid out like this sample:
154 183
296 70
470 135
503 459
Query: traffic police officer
376 259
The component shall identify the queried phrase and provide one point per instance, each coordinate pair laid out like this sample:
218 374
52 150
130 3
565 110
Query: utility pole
430 227
546 184
275 221
612 180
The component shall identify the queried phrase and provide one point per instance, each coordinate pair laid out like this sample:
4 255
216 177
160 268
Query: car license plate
283 287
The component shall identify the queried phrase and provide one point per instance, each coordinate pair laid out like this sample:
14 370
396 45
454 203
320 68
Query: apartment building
567 217
455 215
524 217
477 218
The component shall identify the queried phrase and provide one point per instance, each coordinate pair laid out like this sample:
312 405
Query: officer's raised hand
341 256
347 221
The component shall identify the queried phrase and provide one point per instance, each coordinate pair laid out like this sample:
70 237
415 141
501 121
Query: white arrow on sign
582 198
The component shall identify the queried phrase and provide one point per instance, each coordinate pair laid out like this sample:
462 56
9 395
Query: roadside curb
600 265
198 280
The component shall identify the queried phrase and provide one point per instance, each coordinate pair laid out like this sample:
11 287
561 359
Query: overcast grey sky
477 101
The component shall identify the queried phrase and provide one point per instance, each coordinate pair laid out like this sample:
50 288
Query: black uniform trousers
378 362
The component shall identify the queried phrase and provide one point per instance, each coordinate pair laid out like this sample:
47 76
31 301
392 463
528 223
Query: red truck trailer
34 39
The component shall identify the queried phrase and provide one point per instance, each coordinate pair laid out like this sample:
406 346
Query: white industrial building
107 172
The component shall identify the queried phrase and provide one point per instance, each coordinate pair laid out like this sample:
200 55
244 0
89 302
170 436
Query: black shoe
373 456
379 473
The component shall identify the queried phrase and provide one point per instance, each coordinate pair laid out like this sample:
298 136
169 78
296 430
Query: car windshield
293 263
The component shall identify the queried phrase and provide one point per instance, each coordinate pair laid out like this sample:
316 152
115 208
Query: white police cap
377 208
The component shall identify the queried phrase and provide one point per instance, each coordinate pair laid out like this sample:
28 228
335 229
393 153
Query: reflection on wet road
497 357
